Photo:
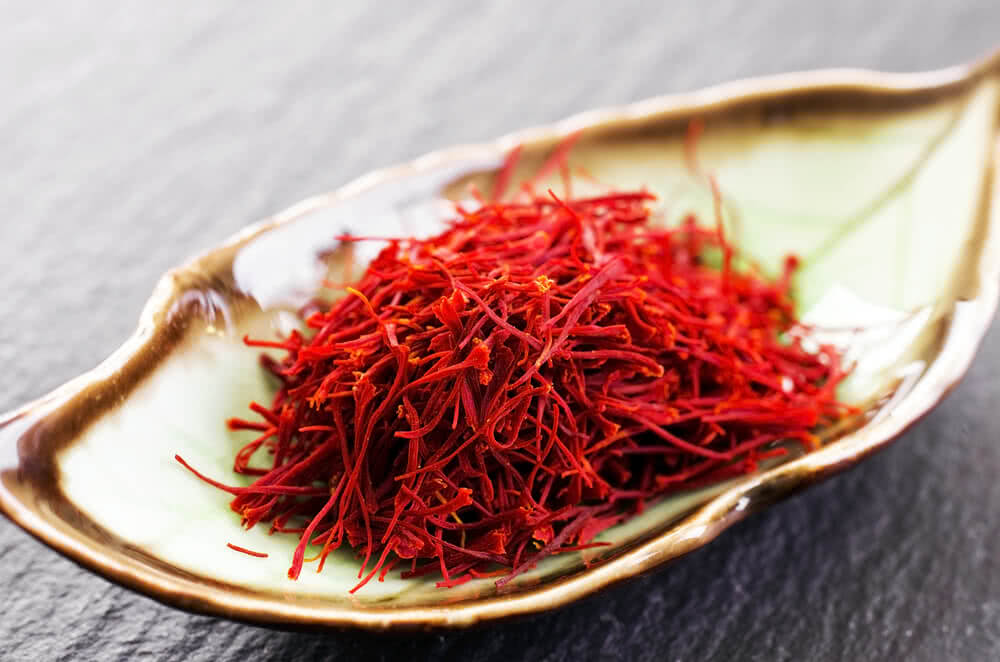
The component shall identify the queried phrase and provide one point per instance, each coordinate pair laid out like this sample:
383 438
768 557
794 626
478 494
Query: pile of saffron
510 388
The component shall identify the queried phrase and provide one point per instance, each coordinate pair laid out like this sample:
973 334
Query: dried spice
244 550
509 388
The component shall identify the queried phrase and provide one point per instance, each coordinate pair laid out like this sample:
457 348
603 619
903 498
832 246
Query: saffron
512 387
244 550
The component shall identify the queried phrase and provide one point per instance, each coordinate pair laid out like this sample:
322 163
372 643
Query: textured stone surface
135 134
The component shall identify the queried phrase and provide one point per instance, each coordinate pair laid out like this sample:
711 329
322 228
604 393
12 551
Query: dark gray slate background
133 135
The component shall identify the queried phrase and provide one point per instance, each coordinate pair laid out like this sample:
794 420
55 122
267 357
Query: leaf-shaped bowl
882 183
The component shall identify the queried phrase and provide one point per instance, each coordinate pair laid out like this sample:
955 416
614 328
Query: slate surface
135 134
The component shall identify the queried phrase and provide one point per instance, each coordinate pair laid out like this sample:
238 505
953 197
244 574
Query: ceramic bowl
882 183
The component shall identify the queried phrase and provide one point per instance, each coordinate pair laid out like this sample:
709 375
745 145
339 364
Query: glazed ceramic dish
881 183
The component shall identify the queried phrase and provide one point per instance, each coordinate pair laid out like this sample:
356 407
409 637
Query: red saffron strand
506 173
244 550
515 385
556 161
